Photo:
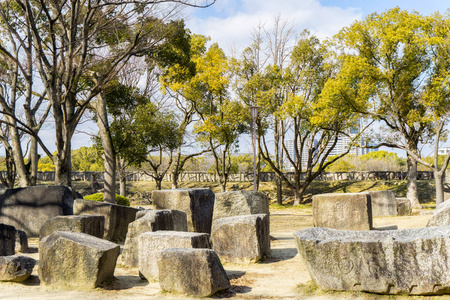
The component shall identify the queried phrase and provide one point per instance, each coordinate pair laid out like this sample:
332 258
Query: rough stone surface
403 207
153 220
383 203
76 260
117 217
198 204
241 239
151 244
239 203
21 241
29 208
441 216
7 239
16 268
194 272
89 224
343 211
409 261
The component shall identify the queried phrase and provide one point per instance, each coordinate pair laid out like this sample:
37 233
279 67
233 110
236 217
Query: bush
121 200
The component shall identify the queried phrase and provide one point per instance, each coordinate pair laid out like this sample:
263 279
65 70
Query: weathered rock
410 261
343 211
403 207
7 240
77 260
29 208
16 268
198 204
89 224
240 203
142 213
21 241
441 216
194 272
383 203
151 244
117 217
153 220
241 239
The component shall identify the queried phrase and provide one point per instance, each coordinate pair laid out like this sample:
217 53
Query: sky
231 22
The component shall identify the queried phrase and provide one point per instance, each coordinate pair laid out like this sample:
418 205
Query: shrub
121 200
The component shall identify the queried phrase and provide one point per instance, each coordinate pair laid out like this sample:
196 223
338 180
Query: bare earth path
277 277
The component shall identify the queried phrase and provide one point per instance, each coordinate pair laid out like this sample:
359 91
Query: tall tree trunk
108 150
158 182
121 170
411 189
63 172
34 161
176 169
18 155
278 179
439 182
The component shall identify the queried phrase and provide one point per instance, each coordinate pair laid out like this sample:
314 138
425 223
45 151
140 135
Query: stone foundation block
198 204
7 240
403 207
193 272
152 220
384 203
343 211
76 260
21 241
151 244
241 239
441 216
89 224
16 268
410 261
239 203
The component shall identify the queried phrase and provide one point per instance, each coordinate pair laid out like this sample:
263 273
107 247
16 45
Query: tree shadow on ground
239 285
123 282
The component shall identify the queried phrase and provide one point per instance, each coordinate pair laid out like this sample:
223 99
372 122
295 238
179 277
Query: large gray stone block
89 224
239 203
7 240
352 211
153 220
441 216
16 268
384 203
151 244
194 272
241 239
29 208
76 260
117 217
198 204
410 261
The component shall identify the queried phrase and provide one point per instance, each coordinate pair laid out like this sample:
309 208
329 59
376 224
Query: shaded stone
117 217
7 240
193 272
352 211
152 220
151 244
77 260
29 208
410 261
403 207
383 203
89 224
241 239
239 203
16 268
198 204
21 241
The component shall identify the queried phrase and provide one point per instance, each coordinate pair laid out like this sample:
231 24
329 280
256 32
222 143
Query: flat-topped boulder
152 220
403 207
241 239
239 203
89 224
29 208
117 217
409 261
193 272
76 260
7 239
198 204
346 211
151 244
16 268
441 216
384 203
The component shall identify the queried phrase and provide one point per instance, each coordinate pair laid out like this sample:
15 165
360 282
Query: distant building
444 151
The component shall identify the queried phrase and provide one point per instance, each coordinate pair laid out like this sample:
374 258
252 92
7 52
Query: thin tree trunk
439 182
411 189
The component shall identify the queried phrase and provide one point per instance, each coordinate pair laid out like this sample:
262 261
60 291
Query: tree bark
411 189
439 182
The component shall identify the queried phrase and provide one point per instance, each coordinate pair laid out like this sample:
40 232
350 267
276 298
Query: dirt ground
282 275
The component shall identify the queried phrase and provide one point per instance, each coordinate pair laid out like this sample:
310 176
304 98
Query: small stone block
403 207
16 268
89 224
383 203
7 240
21 241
